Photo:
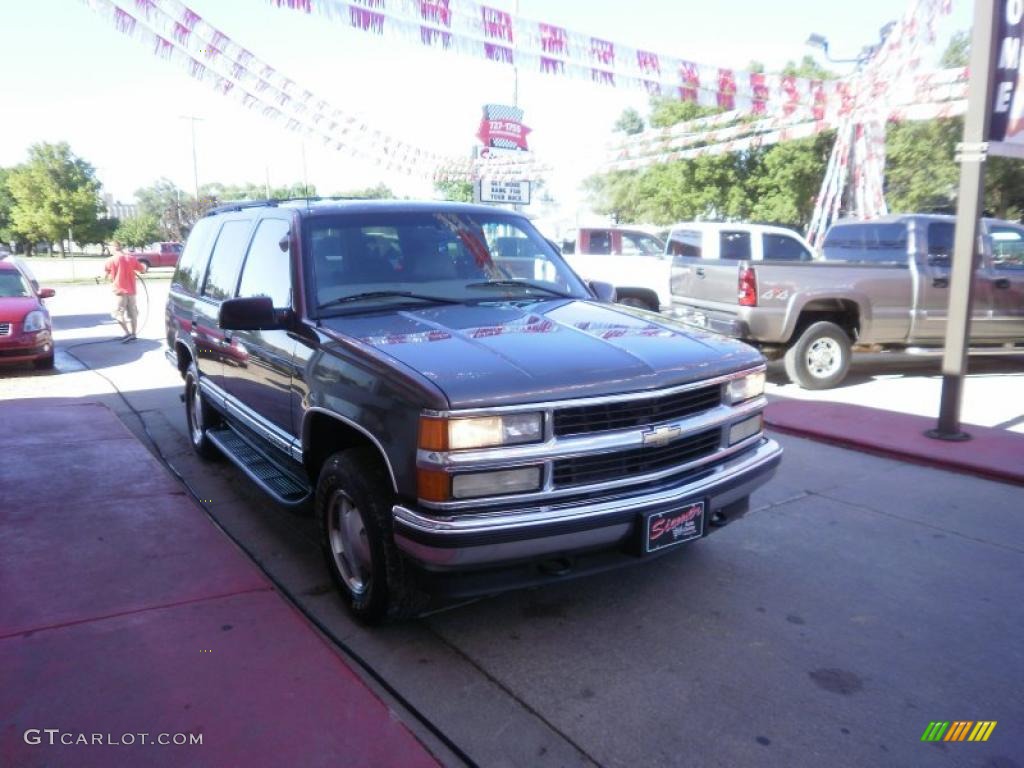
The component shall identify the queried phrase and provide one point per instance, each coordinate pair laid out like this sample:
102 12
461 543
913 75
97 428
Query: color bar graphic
958 730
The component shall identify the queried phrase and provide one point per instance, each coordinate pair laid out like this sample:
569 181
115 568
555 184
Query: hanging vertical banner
1006 102
502 128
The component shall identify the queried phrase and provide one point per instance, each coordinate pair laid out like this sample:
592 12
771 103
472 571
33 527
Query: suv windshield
418 257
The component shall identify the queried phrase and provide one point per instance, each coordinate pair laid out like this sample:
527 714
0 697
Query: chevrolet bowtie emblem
659 436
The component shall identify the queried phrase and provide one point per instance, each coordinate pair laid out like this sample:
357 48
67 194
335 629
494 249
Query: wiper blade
518 284
384 295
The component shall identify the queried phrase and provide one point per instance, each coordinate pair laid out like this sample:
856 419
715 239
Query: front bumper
610 522
26 347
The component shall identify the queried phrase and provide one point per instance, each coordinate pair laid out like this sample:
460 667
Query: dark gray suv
463 413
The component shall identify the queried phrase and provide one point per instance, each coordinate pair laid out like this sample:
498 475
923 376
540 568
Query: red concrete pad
26 423
246 672
991 453
63 561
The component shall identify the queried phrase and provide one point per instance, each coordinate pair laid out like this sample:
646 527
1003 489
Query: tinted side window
882 243
685 242
784 248
735 245
600 243
267 270
226 259
940 242
192 263
1007 247
641 245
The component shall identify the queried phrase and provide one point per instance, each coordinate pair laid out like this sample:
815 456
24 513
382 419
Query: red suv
25 332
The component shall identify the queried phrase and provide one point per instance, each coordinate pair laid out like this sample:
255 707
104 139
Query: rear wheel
199 416
820 358
353 512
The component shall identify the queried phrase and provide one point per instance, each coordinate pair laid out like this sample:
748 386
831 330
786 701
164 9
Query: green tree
175 210
6 208
783 187
957 51
668 112
629 122
138 231
808 67
53 192
456 191
377 192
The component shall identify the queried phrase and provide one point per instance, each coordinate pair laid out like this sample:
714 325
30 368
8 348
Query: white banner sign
494 191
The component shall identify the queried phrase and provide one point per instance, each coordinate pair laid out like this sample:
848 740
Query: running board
276 482
938 352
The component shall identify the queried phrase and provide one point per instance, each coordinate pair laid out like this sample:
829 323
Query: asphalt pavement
861 599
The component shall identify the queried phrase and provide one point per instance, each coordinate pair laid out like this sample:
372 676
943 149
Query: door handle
699 271
940 282
1002 282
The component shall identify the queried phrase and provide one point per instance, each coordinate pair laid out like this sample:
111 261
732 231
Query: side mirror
254 313
603 292
46 293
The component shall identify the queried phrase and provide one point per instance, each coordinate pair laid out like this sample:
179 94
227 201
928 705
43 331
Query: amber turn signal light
433 434
433 485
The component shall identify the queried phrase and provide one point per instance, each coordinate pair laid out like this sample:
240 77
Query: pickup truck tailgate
711 284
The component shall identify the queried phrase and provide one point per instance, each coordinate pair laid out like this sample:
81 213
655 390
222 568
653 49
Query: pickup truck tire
353 514
820 358
199 416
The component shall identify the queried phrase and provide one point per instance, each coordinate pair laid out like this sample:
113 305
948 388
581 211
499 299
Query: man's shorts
125 307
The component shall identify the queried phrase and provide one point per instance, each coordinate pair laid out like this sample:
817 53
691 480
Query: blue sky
68 75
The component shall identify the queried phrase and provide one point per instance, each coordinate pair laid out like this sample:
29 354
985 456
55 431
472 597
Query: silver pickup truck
881 284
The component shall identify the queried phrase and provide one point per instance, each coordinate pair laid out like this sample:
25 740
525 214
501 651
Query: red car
159 255
25 331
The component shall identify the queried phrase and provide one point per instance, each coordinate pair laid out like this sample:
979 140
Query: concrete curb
994 454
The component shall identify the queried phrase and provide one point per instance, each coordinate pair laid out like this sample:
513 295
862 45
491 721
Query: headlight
452 434
495 483
738 390
36 320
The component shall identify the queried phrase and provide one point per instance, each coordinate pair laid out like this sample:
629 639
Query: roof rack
238 205
274 201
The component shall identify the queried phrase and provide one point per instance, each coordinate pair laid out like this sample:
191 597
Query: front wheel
199 416
353 513
820 358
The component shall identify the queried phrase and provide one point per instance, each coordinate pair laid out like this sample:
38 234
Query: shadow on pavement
72 322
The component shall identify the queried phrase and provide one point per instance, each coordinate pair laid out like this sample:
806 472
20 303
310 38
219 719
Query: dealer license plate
675 526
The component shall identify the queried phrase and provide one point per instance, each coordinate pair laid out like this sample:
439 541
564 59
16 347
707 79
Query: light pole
821 42
195 164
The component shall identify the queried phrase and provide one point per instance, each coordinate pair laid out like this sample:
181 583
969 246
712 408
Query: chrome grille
5 329
628 414
634 462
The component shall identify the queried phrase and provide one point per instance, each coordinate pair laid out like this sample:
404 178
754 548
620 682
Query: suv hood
507 353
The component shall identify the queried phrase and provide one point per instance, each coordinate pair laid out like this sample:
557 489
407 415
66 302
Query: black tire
195 404
633 301
820 358
354 487
44 363
145 264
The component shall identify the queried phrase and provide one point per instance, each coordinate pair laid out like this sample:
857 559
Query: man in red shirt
121 268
